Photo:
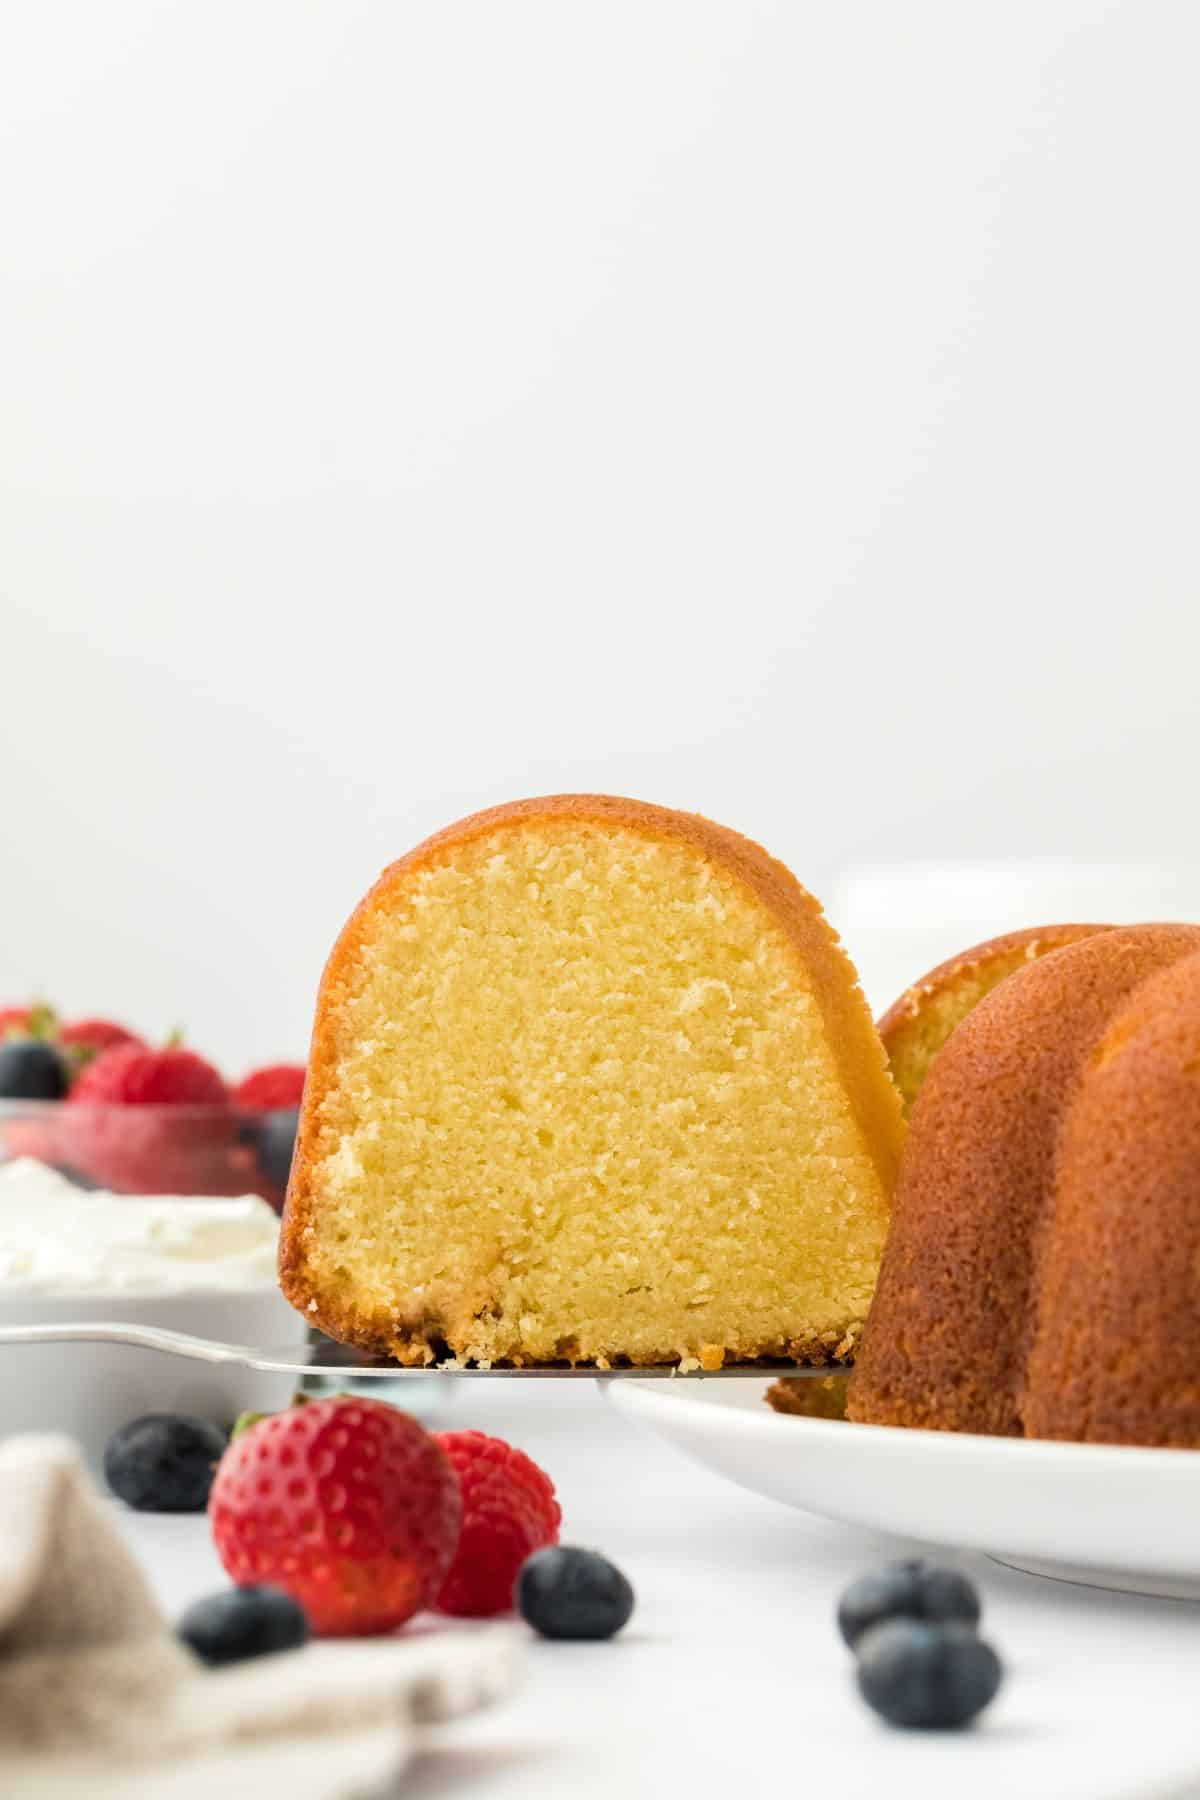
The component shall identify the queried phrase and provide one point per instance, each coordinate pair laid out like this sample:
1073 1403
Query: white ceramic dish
1108 1516
88 1390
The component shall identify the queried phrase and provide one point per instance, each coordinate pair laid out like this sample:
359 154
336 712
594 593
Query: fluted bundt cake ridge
1037 1225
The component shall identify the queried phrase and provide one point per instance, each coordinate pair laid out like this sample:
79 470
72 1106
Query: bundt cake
1042 1272
591 1081
913 1031
916 1027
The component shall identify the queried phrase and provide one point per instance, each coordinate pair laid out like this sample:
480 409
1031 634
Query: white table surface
731 1679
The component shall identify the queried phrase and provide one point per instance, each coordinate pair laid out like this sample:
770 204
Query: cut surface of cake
591 1081
1040 1276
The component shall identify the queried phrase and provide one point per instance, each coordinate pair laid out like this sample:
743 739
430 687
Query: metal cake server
303 1359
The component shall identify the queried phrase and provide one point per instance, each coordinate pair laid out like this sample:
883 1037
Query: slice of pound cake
591 1081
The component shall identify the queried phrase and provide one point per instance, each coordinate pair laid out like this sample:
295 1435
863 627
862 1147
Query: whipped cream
56 1238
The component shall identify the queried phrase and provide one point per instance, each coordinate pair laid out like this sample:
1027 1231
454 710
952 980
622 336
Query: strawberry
15 1021
38 1020
135 1075
509 1511
84 1039
346 1504
277 1088
147 1121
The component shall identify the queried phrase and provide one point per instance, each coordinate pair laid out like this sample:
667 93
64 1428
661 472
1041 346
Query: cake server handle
302 1359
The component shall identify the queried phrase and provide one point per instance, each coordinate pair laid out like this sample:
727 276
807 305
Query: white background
783 410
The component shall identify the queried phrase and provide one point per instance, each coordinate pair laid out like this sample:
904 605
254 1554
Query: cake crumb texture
810 1397
592 1081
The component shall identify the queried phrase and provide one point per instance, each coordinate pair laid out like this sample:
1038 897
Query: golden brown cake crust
1116 1357
915 1027
835 984
951 1327
1031 942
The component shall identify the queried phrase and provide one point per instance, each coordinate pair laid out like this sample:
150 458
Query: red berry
86 1038
276 1088
135 1075
347 1504
15 1021
509 1511
117 1136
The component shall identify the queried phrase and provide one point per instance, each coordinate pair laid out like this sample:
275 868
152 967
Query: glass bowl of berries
172 1229
94 1101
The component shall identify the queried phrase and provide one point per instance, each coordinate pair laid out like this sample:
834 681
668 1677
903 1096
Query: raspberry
277 1088
509 1511
346 1504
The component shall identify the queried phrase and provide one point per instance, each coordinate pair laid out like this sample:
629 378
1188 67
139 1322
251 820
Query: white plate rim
645 1397
1114 1515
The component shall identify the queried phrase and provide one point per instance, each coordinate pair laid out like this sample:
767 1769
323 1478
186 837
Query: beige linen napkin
98 1698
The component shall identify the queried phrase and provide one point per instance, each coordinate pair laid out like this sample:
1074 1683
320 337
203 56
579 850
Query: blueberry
31 1069
915 1673
906 1590
276 1141
164 1462
243 1622
567 1593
